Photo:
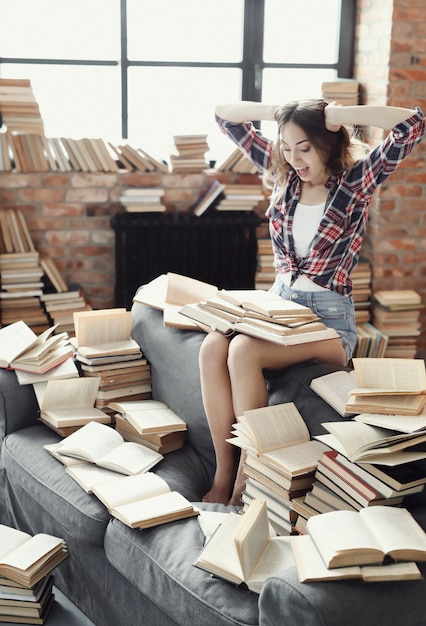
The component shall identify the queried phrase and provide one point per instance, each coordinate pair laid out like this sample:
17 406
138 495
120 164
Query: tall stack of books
265 273
147 200
374 458
191 151
26 605
19 109
105 349
241 197
396 314
281 460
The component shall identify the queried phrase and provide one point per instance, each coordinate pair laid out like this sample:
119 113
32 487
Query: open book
149 416
389 376
26 559
104 333
143 501
311 566
335 388
169 292
69 402
244 550
369 536
104 446
21 348
362 442
279 437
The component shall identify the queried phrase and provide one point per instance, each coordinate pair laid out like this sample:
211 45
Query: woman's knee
241 353
213 350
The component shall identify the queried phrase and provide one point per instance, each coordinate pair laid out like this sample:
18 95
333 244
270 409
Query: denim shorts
334 310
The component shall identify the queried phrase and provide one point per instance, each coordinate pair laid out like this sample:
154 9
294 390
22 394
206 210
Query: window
142 71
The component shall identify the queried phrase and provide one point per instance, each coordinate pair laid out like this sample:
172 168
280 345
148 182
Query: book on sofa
26 558
104 446
21 348
143 501
106 332
370 536
279 437
244 549
69 403
149 416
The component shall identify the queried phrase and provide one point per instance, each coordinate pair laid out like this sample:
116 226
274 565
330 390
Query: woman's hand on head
331 119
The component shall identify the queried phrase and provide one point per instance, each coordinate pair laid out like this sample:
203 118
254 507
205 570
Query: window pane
63 30
174 101
188 30
306 31
282 85
75 102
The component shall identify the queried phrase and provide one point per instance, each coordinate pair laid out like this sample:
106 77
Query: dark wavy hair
339 150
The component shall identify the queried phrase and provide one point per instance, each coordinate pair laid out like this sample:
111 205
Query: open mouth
303 171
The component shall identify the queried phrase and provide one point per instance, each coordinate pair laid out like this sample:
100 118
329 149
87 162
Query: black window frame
251 65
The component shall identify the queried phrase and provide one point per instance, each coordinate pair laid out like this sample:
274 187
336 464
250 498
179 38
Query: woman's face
302 155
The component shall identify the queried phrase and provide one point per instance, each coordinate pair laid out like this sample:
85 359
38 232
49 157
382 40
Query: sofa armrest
18 404
285 600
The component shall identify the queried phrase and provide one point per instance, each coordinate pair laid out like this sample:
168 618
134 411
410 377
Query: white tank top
306 221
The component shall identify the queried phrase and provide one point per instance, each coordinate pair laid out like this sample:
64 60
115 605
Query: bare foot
219 491
237 492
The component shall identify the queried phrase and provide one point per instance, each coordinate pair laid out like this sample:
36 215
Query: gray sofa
124 577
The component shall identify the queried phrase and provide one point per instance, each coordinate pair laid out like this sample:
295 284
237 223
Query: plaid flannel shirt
335 249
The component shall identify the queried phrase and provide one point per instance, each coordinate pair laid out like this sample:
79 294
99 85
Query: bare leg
232 381
217 398
247 359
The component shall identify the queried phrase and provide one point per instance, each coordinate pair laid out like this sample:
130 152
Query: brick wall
68 215
390 63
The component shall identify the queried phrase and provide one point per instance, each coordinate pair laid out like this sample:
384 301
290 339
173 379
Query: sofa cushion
163 571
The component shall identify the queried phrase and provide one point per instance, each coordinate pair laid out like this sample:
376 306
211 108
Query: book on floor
26 559
244 550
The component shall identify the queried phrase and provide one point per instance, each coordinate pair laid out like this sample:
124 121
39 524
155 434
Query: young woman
323 182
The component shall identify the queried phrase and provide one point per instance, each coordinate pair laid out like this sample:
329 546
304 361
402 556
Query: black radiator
219 248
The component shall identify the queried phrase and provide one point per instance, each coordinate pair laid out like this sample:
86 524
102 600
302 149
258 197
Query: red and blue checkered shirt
335 249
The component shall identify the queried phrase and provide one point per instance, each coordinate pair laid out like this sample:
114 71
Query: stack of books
396 314
241 197
22 350
191 151
151 423
380 386
259 314
239 163
361 290
25 574
61 305
21 274
147 200
26 605
19 108
280 460
341 91
265 273
370 341
103 342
